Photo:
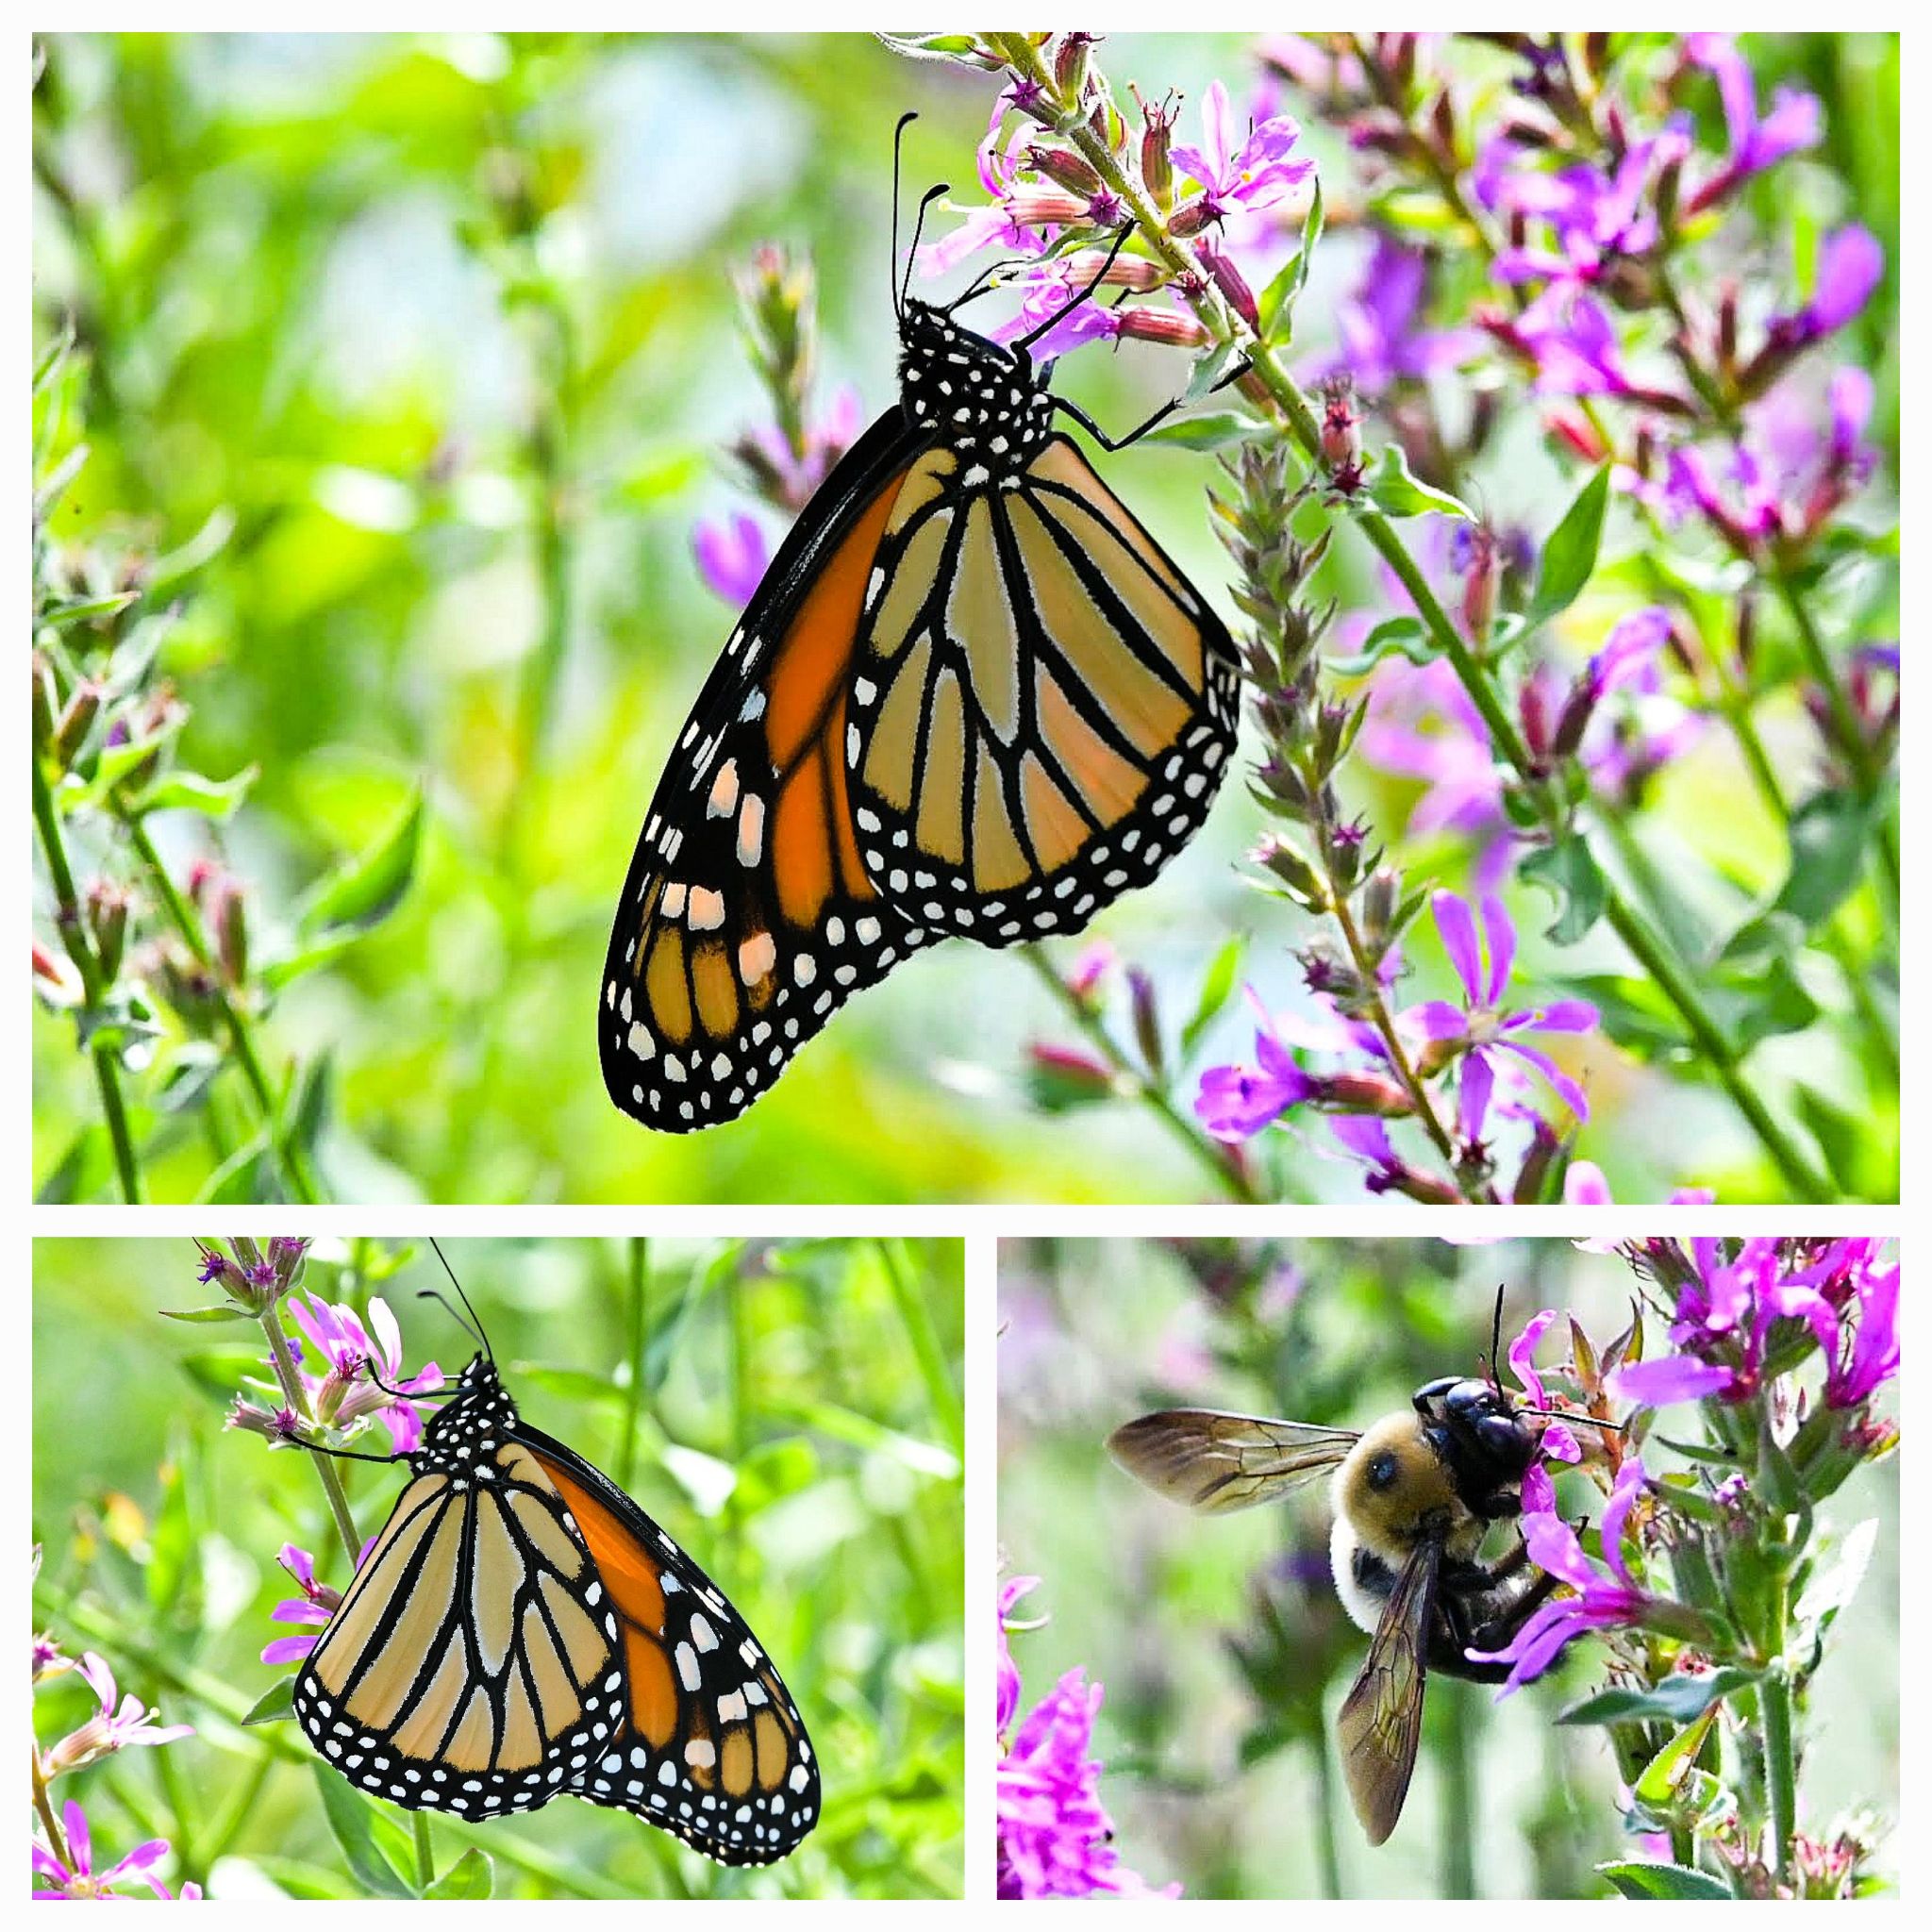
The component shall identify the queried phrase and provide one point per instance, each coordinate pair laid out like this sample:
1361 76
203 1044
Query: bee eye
1382 1470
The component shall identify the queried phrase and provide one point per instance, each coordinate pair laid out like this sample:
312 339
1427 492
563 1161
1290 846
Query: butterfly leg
1112 443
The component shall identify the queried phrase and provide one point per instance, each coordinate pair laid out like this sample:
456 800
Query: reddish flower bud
1124 270
1341 437
1045 209
1575 431
1578 709
1070 64
1146 1012
1156 134
55 977
77 719
1536 706
107 917
1067 1074
231 932
1192 217
1166 325
1366 1093
1063 165
1229 280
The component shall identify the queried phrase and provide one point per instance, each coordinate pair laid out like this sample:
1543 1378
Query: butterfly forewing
1043 705
470 1667
748 917
712 1747
1216 1463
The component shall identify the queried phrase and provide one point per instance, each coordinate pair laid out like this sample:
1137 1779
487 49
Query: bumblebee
1415 1496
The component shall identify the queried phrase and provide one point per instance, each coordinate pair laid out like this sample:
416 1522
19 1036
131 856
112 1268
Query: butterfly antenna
1084 295
905 119
474 1323
926 201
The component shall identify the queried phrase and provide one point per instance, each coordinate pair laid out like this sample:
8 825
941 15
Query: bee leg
1480 1607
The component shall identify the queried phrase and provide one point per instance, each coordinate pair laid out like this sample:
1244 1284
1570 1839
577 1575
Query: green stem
916 1319
425 1852
1328 1850
297 1398
67 918
187 922
1780 1768
639 1328
1267 371
1458 1795
1227 1175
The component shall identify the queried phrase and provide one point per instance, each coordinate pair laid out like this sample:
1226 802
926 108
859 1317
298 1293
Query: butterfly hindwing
748 919
1044 705
712 1746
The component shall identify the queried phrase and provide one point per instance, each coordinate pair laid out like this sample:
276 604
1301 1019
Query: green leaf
83 608
1659 1784
1217 989
1393 636
1569 871
365 889
353 1822
275 1703
1276 309
1679 1700
1655 1878
1833 1588
470 1876
1570 556
1831 842
215 798
1397 491
1214 430
1842 1139
222 1311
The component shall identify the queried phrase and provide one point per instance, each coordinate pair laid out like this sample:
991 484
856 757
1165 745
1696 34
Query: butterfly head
470 1424
983 401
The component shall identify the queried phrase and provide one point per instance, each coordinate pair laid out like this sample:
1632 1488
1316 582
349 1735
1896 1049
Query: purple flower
1380 339
1252 176
77 1879
1594 218
1584 1186
1607 1598
108 1730
360 1366
1792 125
1006 1679
1574 348
1055 1835
1235 1102
1480 1026
1862 1288
1366 1139
732 557
1850 265
317 1604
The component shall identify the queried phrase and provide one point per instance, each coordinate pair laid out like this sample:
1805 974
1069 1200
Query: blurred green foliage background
1233 1792
425 345
798 1430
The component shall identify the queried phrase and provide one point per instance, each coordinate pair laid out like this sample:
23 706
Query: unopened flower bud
231 933
1146 1010
1381 897
56 980
1086 974
107 917
1070 65
1441 119
77 719
1064 1074
1534 1173
1045 207
1372 1093
1342 436
1305 884
1063 166
1169 326
1122 271
1535 708
1575 431
1192 217
44 703
1157 135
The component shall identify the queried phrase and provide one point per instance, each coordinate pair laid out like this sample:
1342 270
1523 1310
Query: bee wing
1214 1463
1381 1718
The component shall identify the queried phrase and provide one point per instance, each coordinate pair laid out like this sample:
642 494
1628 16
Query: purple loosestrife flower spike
1791 125
79 1880
1606 1598
1481 1026
1379 324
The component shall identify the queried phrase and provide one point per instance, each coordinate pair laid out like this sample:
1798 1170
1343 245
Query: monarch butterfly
521 1628
972 696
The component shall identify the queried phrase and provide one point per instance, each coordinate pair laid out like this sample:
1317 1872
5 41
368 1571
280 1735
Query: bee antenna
1588 1421
1496 1339
475 1322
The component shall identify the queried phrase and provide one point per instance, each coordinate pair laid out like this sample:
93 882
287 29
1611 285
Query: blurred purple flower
1006 1677
1236 1102
1481 1026
1607 1597
79 1879
1381 340
732 557
1850 265
1056 1840
1595 219
1584 1186
1574 348
1253 175
358 1366
108 1730
1792 125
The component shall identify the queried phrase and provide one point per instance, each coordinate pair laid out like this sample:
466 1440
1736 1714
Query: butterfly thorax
987 403
465 1432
